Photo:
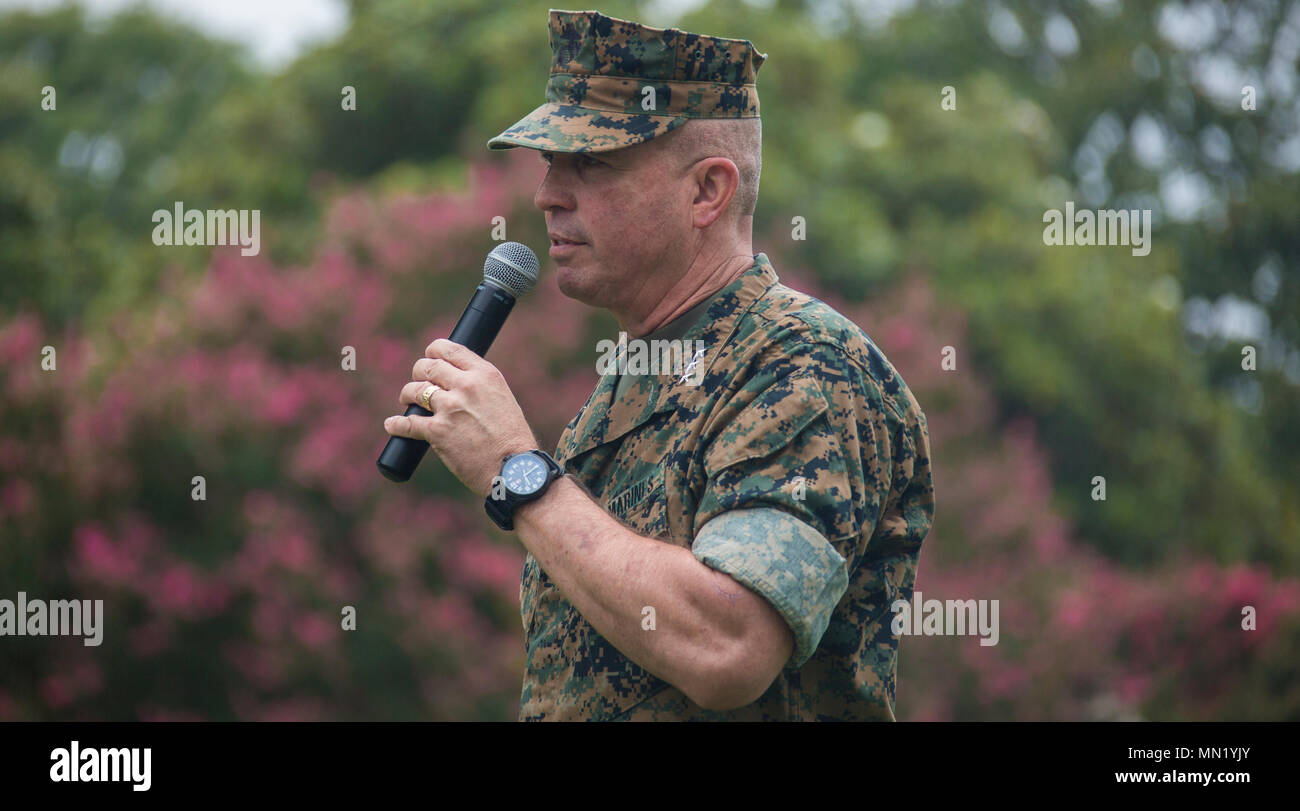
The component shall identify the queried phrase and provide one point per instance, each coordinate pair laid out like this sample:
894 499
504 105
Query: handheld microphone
509 272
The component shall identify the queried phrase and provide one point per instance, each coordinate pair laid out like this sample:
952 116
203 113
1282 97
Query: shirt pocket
605 684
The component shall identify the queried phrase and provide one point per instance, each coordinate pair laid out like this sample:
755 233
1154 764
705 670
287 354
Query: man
728 538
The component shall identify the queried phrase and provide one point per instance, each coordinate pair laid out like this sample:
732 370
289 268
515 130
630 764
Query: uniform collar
603 420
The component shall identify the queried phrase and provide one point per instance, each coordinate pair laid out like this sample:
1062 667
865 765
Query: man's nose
553 191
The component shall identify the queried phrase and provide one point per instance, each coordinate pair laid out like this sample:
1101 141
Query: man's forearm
609 573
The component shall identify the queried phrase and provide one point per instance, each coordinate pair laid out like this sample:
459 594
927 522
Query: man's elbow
740 673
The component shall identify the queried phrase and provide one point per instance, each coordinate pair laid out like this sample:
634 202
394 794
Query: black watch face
524 474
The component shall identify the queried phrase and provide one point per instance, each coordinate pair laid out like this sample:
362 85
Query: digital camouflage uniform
792 456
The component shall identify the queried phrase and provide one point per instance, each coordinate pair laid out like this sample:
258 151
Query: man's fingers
413 427
453 353
439 371
413 393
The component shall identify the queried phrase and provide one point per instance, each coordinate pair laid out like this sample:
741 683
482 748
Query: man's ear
716 181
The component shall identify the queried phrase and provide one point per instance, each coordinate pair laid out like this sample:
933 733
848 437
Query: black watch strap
502 510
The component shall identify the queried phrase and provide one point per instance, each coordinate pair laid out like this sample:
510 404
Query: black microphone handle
477 328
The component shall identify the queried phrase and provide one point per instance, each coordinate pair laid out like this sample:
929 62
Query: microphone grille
512 267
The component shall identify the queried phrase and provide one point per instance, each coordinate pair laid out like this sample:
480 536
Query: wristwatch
524 478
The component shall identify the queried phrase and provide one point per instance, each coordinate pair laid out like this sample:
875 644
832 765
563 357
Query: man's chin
574 283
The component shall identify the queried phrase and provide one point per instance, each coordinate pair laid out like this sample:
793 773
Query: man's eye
583 160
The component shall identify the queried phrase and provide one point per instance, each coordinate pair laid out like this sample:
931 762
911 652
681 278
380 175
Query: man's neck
691 288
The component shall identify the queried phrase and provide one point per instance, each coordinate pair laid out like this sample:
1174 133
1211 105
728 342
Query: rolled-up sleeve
784 560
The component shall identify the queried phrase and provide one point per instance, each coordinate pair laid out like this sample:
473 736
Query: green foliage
82 180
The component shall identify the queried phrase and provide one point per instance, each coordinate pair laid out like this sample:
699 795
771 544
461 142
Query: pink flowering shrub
232 606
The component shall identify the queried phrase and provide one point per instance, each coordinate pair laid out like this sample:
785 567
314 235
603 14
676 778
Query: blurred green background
922 223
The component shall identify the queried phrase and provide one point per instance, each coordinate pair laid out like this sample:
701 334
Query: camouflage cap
615 83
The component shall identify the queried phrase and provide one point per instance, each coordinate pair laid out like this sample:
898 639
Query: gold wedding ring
425 395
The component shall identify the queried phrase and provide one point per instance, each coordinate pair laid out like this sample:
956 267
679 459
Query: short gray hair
740 140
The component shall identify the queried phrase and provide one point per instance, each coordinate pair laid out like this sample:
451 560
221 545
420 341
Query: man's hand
476 420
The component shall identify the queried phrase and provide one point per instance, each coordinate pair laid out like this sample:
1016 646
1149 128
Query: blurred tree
81 181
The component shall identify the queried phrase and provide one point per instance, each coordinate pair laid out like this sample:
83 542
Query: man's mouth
555 242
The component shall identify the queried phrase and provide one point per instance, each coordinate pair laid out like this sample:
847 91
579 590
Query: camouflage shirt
793 413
